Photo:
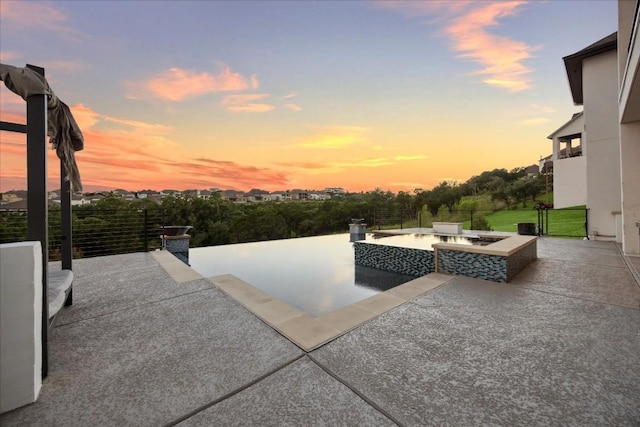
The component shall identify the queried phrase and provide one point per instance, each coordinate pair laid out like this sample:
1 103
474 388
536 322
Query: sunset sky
309 94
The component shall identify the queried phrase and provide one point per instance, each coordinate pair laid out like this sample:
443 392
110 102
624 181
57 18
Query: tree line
114 225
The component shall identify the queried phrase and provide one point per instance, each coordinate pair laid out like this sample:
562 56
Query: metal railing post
37 199
586 223
65 219
146 227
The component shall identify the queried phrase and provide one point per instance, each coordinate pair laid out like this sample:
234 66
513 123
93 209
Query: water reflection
379 280
314 274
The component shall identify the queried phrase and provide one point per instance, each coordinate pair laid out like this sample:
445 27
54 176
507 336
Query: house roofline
573 63
575 117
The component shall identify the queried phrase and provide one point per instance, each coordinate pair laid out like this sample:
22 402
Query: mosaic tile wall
179 248
483 266
478 266
518 261
419 262
415 262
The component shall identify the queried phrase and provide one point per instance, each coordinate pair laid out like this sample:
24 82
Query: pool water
420 241
314 274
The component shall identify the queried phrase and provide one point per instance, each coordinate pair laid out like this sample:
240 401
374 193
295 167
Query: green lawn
561 222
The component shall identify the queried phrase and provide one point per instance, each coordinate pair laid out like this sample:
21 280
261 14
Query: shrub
481 223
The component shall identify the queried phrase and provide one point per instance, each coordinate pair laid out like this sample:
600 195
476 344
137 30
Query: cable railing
567 222
94 232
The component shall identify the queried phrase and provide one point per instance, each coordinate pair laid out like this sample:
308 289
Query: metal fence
94 232
569 222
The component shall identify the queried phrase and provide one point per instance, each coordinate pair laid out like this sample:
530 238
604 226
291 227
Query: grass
569 222
559 222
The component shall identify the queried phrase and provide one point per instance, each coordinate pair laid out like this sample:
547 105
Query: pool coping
306 331
506 246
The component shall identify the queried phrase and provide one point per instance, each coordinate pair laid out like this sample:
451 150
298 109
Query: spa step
59 287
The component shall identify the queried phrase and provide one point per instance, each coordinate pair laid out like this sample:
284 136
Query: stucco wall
570 182
630 159
600 88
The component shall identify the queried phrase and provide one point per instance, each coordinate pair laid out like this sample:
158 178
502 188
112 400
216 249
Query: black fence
569 222
94 232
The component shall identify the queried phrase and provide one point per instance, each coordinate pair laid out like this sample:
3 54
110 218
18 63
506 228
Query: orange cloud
331 137
415 157
176 84
466 24
245 103
407 184
121 153
335 167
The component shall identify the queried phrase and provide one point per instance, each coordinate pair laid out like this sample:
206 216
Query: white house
629 115
569 167
600 163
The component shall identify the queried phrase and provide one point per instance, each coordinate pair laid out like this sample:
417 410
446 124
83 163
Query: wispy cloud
534 121
7 55
231 174
66 66
411 185
466 24
542 108
415 157
177 84
87 118
37 16
292 107
315 168
247 103
331 137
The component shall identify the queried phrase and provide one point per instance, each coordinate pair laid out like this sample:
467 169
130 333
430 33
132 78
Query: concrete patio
148 342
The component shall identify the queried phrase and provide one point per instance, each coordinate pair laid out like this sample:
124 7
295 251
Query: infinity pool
314 274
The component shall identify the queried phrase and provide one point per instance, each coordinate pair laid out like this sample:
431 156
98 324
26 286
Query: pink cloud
246 103
6 55
37 16
466 24
177 84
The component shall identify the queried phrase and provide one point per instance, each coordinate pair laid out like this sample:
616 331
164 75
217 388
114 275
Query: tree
444 194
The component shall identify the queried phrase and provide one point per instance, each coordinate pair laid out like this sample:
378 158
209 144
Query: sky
276 95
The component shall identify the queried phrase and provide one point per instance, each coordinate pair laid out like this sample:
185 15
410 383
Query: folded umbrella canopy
64 133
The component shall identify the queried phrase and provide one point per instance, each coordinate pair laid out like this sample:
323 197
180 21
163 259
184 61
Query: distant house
319 196
124 194
12 197
297 194
198 194
171 193
278 196
569 170
78 199
333 190
257 195
604 78
233 196
532 170
94 198
18 205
